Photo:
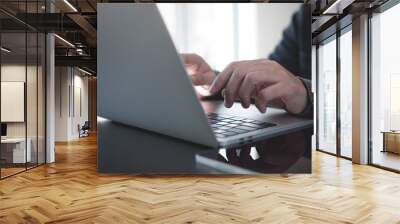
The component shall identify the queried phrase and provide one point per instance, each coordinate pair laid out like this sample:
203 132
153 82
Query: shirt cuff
309 109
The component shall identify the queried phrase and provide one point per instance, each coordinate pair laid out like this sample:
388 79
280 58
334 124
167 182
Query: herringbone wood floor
71 191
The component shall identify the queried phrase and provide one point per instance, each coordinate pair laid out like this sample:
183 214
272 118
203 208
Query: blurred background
225 32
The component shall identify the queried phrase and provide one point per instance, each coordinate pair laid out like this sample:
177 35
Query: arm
294 52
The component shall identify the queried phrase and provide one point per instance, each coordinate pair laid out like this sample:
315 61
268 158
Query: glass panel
41 98
31 98
346 94
13 87
22 90
327 97
385 87
32 90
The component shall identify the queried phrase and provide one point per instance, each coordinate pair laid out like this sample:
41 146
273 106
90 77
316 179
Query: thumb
197 79
191 69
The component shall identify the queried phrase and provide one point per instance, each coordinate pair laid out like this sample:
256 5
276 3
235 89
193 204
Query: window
327 96
346 94
22 76
385 89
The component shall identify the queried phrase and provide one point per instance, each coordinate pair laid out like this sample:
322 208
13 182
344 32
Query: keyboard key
237 118
258 122
226 120
267 125
239 131
235 124
252 125
229 133
247 120
246 128
219 135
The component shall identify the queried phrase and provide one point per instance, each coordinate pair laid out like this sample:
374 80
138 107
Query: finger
249 88
268 94
202 91
191 69
190 58
261 106
233 85
223 77
197 79
203 79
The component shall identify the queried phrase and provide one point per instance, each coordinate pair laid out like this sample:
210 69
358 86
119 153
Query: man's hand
264 80
200 73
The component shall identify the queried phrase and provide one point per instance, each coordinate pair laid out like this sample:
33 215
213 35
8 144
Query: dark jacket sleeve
294 51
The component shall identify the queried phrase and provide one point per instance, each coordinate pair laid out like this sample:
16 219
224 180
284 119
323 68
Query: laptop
142 82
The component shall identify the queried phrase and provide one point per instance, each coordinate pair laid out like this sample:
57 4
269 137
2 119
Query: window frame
378 10
346 27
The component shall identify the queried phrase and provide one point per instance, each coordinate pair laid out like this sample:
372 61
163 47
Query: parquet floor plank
71 191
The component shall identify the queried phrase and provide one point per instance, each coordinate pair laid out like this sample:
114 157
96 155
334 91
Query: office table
13 150
126 149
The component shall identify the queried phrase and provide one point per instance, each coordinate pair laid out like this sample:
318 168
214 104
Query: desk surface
131 150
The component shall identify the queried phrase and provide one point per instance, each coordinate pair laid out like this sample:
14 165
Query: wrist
309 108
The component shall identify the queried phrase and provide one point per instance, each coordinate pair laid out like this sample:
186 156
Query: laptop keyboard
226 125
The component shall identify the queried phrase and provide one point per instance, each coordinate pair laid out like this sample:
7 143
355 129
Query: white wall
16 72
70 83
33 126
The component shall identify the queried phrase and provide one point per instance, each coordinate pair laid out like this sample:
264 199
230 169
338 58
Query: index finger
221 80
189 58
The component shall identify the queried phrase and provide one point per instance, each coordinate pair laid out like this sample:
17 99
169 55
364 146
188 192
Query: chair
84 130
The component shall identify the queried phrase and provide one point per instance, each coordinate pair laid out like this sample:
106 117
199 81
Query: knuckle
243 94
233 64
228 92
272 62
252 78
265 61
239 73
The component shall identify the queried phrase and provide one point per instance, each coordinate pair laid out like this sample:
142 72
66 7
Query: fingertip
263 110
225 102
213 88
215 85
245 105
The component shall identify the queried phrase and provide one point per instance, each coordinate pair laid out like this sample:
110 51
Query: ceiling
76 22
